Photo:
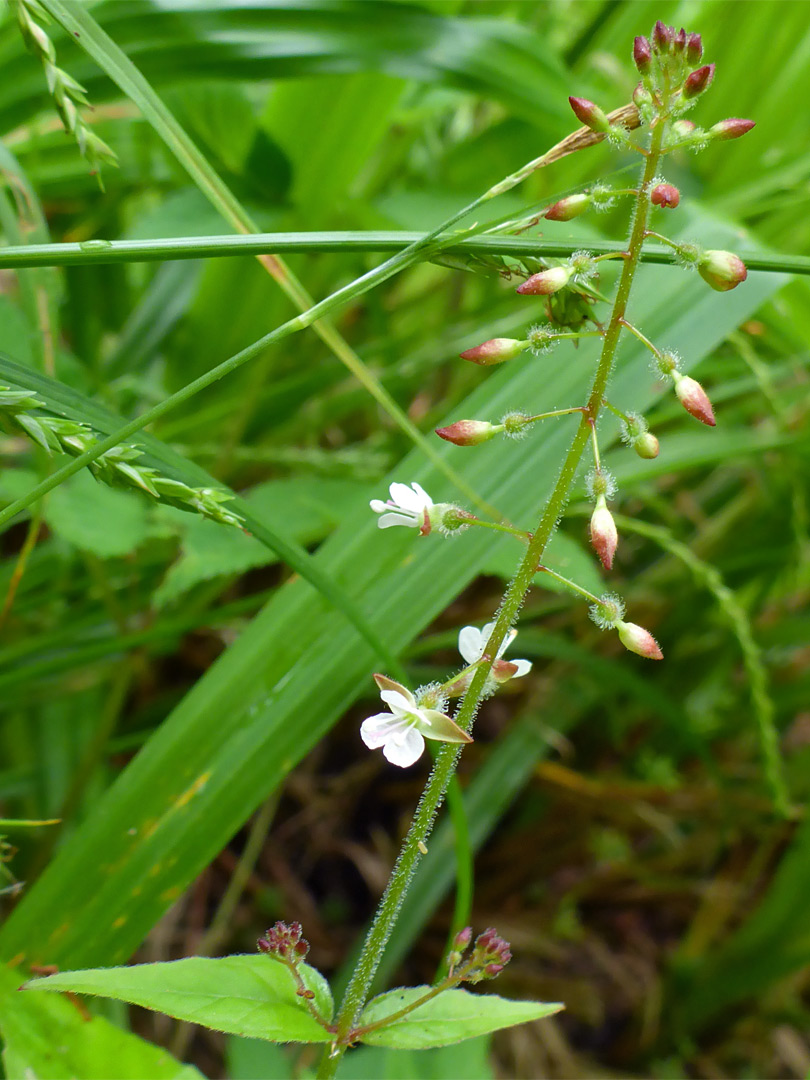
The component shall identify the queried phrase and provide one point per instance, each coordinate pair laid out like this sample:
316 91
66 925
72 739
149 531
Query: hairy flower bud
697 82
589 114
570 207
642 56
662 36
679 42
638 640
469 432
682 128
494 351
694 399
694 48
732 128
546 282
665 195
604 535
646 445
642 96
723 270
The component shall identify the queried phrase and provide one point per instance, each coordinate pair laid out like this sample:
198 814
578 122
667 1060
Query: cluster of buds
117 466
687 390
608 611
68 95
285 941
489 956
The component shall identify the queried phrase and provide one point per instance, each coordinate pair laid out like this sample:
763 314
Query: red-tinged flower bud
604 536
679 42
698 81
546 282
494 351
502 671
589 114
568 208
665 195
462 939
638 640
642 56
732 128
469 432
662 36
694 399
646 445
722 270
694 48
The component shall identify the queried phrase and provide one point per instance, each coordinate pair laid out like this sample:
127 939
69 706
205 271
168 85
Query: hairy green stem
446 760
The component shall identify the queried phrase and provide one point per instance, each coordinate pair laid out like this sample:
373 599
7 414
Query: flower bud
638 640
694 399
679 42
642 96
568 208
642 57
722 270
732 128
694 48
697 82
546 282
469 432
665 195
589 114
604 536
682 128
662 36
646 445
494 351
502 671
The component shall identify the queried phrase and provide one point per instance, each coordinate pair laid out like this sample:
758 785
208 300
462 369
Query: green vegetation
194 593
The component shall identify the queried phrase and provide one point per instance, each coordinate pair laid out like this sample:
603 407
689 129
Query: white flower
407 506
472 644
402 731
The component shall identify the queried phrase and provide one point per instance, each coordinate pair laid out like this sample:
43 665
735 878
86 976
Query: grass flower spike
402 732
407 506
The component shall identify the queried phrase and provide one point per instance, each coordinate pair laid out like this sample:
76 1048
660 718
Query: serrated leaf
242 995
49 1039
448 1018
96 518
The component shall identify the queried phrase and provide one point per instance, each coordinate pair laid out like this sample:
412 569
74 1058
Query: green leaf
448 1018
50 1039
469 1059
96 518
243 995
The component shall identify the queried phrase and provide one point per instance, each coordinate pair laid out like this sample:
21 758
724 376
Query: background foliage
624 832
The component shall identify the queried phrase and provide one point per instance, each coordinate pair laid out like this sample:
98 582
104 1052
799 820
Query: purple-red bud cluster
285 941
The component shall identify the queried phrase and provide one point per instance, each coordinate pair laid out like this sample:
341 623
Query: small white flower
472 644
402 732
407 506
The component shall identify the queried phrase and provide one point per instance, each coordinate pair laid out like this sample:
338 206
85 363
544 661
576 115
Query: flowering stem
570 584
445 764
497 526
557 412
644 340
615 411
596 458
